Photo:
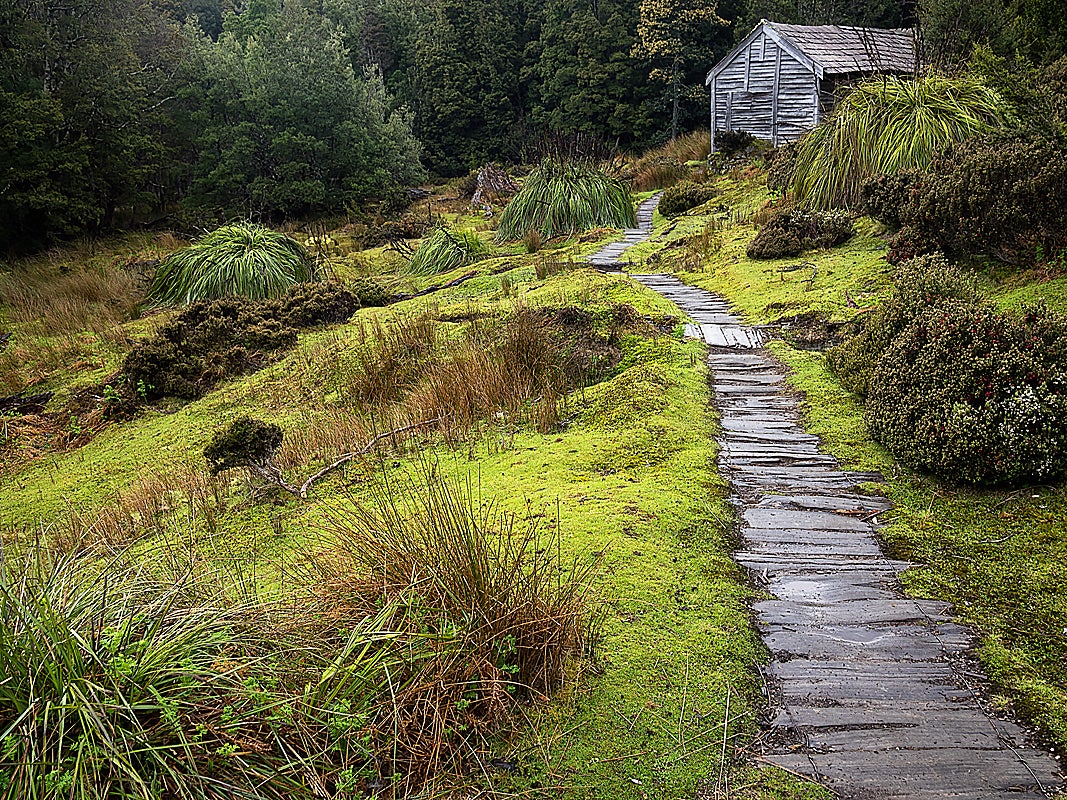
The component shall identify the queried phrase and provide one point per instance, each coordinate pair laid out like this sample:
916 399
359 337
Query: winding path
865 690
610 256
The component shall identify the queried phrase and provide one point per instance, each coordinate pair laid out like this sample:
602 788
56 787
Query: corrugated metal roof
840 49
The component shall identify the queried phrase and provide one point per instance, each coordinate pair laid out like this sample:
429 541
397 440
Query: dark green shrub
790 232
780 164
683 196
1003 196
369 292
245 442
954 387
211 341
885 196
730 143
310 304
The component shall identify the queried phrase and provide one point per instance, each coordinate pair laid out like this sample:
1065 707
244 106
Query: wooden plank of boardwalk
865 697
610 257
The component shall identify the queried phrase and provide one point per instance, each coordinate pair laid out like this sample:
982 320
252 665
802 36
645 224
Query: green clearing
630 478
996 555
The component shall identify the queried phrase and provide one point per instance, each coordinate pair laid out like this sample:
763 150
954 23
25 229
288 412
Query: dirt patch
813 331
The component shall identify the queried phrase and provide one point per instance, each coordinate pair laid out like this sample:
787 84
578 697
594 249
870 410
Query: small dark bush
780 164
246 442
211 341
683 196
790 232
1003 196
369 292
310 304
885 196
730 143
954 387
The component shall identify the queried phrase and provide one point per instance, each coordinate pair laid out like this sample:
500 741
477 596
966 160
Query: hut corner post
713 92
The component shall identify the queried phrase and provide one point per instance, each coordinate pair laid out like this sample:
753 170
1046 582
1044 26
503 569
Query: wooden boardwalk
864 690
610 258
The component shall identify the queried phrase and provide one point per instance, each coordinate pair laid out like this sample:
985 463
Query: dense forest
129 112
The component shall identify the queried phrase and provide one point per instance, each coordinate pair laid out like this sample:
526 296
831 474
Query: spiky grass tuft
560 198
243 259
888 124
443 250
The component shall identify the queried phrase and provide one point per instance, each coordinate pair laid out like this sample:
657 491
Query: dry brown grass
186 497
667 165
502 612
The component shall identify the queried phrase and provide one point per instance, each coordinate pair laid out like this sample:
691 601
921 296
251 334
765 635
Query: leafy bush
956 388
369 293
886 196
245 441
791 231
242 260
444 250
562 197
730 143
211 341
889 124
683 196
1003 196
309 304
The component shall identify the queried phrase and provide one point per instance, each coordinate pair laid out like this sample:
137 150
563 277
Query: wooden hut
782 79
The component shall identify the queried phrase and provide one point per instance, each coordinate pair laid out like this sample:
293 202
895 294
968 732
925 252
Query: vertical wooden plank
748 65
729 110
817 116
774 94
714 92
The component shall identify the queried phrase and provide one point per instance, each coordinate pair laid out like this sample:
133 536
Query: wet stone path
863 692
610 257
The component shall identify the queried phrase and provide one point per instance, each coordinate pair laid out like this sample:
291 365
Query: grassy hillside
619 473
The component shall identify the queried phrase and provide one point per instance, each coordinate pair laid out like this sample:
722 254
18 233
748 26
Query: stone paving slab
862 686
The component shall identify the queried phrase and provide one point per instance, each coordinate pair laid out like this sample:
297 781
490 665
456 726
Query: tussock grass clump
564 197
101 677
889 124
504 614
444 250
241 260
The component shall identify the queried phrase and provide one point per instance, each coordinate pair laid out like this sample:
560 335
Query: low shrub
309 304
369 292
954 387
684 196
246 441
791 231
780 165
730 143
1003 196
211 341
886 196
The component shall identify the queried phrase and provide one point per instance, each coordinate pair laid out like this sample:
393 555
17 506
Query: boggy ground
666 702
